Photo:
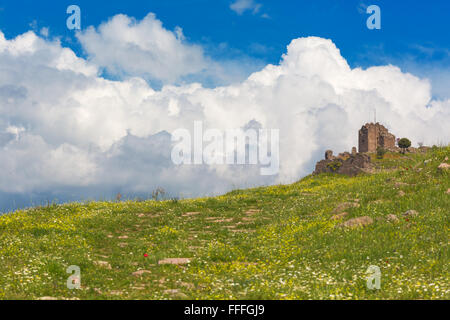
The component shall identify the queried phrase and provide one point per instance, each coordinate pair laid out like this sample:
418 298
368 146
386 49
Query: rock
103 264
344 206
122 237
176 261
339 216
410 213
357 222
392 218
345 163
444 166
47 298
140 272
329 155
399 184
188 214
176 293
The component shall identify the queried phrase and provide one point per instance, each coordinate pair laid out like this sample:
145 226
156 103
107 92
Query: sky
85 114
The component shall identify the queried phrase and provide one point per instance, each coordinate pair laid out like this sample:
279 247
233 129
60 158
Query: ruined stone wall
373 135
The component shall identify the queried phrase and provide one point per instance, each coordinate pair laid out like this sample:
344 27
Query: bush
334 166
380 152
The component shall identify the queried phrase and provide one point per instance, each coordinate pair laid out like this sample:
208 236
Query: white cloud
142 48
241 6
66 131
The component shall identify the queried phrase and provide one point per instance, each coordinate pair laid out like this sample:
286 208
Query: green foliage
404 143
380 152
335 165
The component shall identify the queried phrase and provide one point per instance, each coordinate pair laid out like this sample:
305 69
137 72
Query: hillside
276 242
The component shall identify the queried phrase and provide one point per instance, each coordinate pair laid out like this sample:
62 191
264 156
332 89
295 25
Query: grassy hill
274 242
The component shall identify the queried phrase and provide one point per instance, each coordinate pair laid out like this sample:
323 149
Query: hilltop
297 241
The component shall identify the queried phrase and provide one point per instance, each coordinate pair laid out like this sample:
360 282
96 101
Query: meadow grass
273 242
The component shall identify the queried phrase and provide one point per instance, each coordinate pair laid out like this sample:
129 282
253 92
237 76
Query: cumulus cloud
125 47
68 133
142 48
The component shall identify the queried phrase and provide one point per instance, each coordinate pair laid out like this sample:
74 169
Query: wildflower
145 255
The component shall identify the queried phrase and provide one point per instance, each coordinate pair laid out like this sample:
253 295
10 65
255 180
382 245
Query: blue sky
413 33
88 114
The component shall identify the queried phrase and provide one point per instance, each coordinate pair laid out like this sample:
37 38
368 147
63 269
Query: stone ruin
345 163
374 135
370 137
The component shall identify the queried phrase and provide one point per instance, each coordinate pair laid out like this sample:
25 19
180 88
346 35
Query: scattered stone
401 193
344 206
357 222
116 292
222 220
188 214
400 184
122 244
339 216
176 293
138 288
47 298
103 264
392 218
122 237
110 236
140 272
444 166
251 212
176 261
411 213
448 191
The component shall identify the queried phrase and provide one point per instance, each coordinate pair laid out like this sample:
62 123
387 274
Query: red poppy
145 255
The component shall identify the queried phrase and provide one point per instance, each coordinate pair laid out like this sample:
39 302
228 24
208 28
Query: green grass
273 242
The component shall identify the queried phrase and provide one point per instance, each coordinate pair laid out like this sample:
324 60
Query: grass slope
266 243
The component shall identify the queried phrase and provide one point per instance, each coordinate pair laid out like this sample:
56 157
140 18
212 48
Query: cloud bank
68 133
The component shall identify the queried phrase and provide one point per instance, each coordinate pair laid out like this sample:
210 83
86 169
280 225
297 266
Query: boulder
344 206
410 213
392 218
339 216
357 222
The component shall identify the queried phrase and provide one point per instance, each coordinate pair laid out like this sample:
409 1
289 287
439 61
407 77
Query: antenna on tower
375 115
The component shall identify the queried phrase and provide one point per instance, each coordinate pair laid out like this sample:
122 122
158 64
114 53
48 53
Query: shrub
380 152
334 166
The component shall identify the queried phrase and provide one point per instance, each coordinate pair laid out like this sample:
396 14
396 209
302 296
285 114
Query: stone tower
374 135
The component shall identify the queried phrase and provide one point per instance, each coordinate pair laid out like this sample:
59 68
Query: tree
404 143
